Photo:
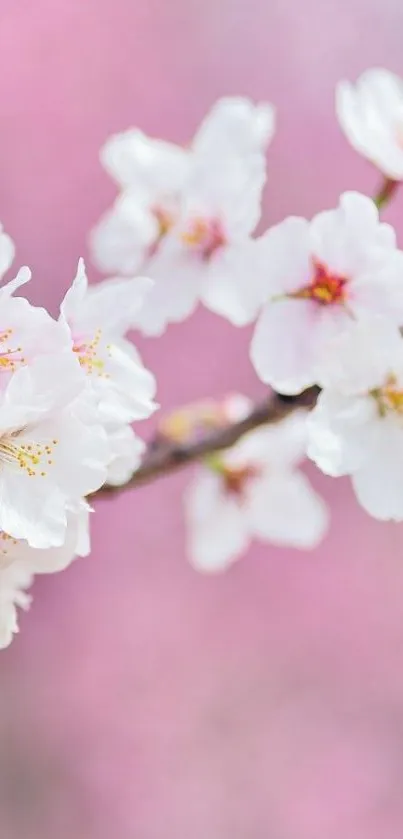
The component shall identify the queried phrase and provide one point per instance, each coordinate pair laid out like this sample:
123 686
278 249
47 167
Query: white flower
49 458
253 490
316 276
371 115
98 317
356 427
186 217
208 255
19 563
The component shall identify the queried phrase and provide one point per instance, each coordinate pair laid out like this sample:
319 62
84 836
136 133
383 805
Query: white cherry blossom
315 277
185 217
254 490
208 255
356 427
371 116
49 458
97 318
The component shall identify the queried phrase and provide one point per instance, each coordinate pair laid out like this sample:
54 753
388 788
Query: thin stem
385 193
163 458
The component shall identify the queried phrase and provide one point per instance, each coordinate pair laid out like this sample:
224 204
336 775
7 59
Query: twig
162 457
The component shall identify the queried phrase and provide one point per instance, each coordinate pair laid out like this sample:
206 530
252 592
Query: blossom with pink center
356 428
180 204
254 490
314 277
371 116
209 254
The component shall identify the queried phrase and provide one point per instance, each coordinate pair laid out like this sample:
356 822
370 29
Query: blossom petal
216 529
284 345
284 509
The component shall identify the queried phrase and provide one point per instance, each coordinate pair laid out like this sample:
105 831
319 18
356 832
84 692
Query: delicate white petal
23 276
341 432
235 125
235 287
216 529
361 357
153 167
371 116
126 450
14 580
113 305
284 345
175 294
379 483
285 253
280 445
285 510
124 236
7 251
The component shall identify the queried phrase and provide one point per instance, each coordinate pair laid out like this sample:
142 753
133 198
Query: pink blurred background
142 701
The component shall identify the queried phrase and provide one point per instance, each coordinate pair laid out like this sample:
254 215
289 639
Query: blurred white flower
315 277
253 490
208 255
185 216
7 252
371 115
356 427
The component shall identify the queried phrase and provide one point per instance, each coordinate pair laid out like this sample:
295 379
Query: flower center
325 288
165 220
10 357
204 237
389 398
88 354
237 478
30 457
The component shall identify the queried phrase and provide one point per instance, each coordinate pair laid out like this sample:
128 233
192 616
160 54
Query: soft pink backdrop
142 701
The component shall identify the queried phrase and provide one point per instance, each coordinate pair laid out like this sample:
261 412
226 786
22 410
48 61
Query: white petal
153 167
7 252
285 510
361 357
216 527
122 239
127 450
176 291
236 283
235 125
280 445
341 432
284 347
113 304
286 256
379 483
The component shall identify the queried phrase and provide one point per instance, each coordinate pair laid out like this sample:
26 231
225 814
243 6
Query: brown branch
163 457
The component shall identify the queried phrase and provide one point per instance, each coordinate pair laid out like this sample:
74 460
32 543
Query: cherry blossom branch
163 457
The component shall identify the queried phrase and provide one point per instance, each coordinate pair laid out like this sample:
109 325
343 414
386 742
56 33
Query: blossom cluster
69 391
326 297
